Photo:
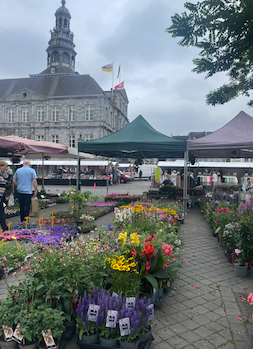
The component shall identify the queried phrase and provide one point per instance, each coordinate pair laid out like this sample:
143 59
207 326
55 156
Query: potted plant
8 311
52 319
30 323
241 263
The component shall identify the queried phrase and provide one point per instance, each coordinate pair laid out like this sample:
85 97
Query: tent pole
185 183
42 187
107 179
12 184
78 173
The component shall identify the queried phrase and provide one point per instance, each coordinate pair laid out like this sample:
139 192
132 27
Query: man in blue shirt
25 179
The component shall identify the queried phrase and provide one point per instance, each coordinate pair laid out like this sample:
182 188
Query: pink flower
194 286
239 318
237 251
243 298
250 298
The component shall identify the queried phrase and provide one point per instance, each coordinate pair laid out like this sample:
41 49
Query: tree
223 30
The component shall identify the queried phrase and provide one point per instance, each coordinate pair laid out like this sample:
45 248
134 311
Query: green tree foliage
223 30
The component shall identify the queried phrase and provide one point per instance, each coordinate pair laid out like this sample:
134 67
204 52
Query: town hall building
59 104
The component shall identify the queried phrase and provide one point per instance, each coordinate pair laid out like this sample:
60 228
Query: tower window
65 23
55 57
65 58
60 22
88 137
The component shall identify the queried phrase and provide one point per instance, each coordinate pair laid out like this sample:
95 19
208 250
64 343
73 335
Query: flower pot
42 344
28 346
159 293
8 345
145 336
251 270
130 345
229 254
70 329
153 298
92 339
241 271
106 342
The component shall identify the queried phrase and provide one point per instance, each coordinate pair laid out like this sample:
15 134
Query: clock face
55 42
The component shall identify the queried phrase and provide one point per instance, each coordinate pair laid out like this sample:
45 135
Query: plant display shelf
142 345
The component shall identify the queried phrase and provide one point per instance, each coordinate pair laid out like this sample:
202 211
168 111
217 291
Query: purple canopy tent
234 140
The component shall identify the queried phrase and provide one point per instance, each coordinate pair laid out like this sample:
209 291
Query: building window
40 114
25 117
40 138
10 113
89 112
55 114
88 137
55 138
71 113
72 142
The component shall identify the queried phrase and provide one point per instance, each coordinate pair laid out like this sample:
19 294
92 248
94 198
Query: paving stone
167 321
203 332
202 344
226 334
190 324
212 316
178 328
243 345
190 337
179 317
162 345
177 342
229 346
200 309
165 333
216 339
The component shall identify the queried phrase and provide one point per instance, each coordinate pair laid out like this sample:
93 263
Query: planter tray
69 332
142 345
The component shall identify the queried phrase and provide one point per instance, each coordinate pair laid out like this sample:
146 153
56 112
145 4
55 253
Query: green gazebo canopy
136 140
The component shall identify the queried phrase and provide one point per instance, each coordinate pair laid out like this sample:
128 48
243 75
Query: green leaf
152 280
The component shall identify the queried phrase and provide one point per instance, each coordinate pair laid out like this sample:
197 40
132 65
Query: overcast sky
157 72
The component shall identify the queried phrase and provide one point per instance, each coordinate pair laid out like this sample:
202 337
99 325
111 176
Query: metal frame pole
185 183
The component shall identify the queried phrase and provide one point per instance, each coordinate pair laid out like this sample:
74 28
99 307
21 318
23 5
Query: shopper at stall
3 167
25 180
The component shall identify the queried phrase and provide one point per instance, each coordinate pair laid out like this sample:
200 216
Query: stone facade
59 105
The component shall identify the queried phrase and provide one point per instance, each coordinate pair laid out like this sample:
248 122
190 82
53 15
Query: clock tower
61 53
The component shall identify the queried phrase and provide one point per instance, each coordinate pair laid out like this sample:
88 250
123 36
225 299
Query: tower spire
60 52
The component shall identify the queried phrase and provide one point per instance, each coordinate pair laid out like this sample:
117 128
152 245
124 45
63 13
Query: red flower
148 251
148 266
134 252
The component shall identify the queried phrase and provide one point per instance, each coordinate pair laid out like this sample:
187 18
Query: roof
235 139
52 86
136 140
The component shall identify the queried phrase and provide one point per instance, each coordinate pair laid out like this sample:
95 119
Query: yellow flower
135 239
123 237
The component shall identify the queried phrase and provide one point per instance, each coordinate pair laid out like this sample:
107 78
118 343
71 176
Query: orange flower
148 251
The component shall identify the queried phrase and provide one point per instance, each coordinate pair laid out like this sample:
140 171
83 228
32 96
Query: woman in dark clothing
3 167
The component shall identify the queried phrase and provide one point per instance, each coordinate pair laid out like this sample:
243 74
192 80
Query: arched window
73 62
65 23
55 57
48 59
60 22
65 58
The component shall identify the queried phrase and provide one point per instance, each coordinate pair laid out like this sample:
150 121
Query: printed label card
8 333
130 302
115 295
48 339
17 334
124 326
93 312
111 318
150 307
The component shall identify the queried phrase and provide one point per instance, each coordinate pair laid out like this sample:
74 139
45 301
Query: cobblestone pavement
202 307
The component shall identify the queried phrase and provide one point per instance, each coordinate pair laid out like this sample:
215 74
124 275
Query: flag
108 67
119 86
118 71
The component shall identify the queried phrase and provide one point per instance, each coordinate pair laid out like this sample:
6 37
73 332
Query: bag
34 209
11 200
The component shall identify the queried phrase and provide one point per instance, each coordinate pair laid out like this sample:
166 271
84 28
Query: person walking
3 168
25 179
140 174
